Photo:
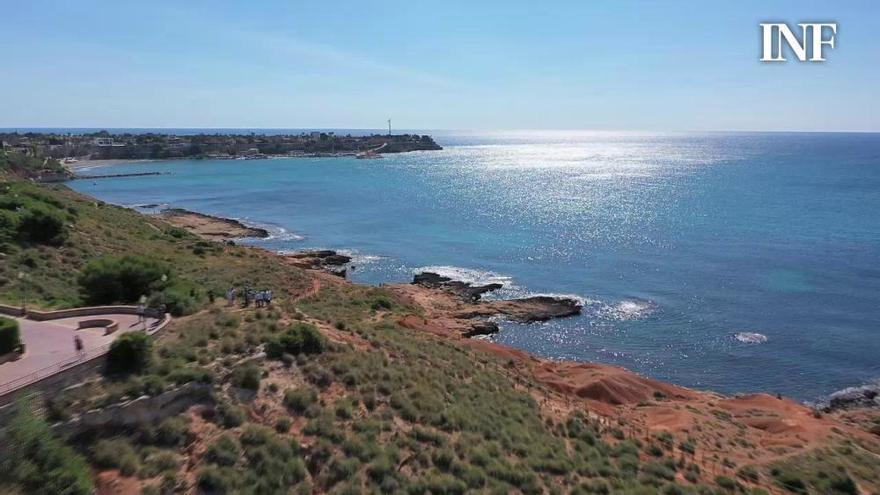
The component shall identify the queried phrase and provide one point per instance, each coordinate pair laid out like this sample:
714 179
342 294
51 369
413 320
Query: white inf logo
780 31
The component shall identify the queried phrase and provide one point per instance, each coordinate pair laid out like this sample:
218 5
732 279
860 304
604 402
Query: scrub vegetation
321 393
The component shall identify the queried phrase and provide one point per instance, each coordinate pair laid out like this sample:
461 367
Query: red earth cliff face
753 429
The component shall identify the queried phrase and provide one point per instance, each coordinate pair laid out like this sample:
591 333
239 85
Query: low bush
748 473
282 425
30 217
790 481
217 480
253 435
300 338
230 415
125 279
178 301
115 453
172 432
247 377
299 399
40 462
130 353
159 462
726 483
41 225
225 451
10 337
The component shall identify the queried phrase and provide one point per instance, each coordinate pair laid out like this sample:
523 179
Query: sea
736 262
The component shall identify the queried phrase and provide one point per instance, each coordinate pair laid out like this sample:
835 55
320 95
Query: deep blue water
676 242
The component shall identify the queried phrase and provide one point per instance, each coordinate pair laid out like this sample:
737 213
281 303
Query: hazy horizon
48 129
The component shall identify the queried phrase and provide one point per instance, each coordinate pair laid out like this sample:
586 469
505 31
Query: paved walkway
50 343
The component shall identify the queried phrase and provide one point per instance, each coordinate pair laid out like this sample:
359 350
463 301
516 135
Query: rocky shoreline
476 312
464 313
864 396
322 259
457 312
210 227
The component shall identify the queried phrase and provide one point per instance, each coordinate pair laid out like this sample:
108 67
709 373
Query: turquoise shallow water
680 245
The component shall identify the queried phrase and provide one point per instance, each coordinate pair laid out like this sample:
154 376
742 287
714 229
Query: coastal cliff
337 386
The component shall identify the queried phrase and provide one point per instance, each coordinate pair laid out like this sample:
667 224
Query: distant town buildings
104 145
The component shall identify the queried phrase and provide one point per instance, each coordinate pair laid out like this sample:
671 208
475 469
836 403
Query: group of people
260 298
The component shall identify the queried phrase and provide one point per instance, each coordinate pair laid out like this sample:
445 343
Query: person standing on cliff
141 309
78 345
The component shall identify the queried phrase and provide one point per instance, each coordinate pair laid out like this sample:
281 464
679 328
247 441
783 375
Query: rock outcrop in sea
323 259
855 397
464 290
522 310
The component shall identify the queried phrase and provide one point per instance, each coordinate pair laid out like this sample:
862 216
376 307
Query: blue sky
677 65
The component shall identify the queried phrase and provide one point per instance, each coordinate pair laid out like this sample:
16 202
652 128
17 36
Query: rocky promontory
855 397
209 226
464 290
471 315
322 259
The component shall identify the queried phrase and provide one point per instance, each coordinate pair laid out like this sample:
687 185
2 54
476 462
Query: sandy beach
88 164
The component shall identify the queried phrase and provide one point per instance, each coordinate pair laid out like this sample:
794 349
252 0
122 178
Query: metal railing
55 368
45 372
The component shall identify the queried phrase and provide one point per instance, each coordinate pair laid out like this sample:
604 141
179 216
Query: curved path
49 346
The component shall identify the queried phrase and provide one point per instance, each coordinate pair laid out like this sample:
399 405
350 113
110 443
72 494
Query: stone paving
50 343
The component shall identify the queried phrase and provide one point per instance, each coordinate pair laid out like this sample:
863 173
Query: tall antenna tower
389 127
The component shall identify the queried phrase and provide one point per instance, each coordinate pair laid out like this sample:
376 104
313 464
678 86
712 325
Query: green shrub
299 399
131 352
725 482
111 279
10 337
230 415
42 225
748 473
172 432
38 461
340 469
115 453
247 377
790 481
225 451
301 338
282 425
841 483
178 301
254 435
8 225
158 462
217 480
186 374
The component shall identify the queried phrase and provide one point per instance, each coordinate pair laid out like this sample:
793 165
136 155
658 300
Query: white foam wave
583 301
624 310
468 275
148 207
276 233
750 337
281 234
358 258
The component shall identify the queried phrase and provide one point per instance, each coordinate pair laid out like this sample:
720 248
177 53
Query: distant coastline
105 148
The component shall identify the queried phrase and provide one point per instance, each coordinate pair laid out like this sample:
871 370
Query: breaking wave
468 275
750 337
276 233
624 310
